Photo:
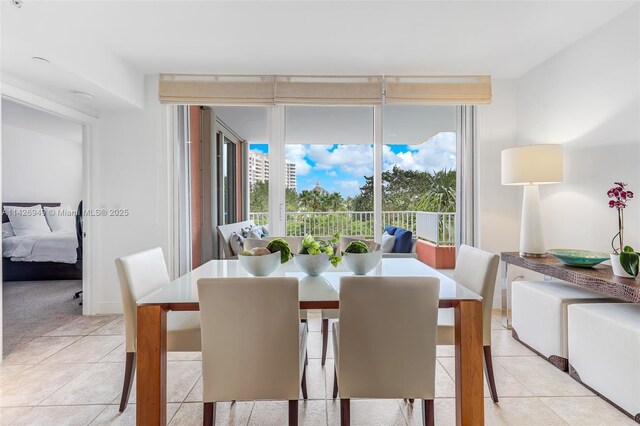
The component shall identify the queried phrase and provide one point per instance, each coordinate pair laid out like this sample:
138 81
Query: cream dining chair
477 271
385 341
141 274
295 243
253 344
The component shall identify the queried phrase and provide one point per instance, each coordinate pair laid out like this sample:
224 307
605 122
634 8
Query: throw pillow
404 241
388 241
255 232
391 230
252 232
265 230
236 242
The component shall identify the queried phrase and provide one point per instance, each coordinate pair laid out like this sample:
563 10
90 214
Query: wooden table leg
469 378
151 391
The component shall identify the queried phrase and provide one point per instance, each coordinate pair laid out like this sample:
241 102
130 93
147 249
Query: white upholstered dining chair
385 341
140 274
295 243
476 270
253 344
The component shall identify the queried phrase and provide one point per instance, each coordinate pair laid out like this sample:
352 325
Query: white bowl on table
312 264
362 263
260 266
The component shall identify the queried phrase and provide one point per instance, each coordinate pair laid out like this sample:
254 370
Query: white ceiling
35 120
104 47
402 124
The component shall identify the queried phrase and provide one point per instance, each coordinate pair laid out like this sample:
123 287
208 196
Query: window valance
323 90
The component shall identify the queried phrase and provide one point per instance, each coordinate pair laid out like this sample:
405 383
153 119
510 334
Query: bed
47 256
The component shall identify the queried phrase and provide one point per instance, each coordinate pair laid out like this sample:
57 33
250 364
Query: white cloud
349 184
437 153
349 187
296 154
352 159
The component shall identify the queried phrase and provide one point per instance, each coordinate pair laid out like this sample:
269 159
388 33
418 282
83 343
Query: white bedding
50 247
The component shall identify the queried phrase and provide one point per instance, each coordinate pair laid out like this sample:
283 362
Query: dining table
319 292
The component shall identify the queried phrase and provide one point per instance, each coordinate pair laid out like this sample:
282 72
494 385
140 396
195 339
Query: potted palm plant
624 259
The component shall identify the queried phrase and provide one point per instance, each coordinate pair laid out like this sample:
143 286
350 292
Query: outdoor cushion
253 232
388 241
404 241
236 242
391 230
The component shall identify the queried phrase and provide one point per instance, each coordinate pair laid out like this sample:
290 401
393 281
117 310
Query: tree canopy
411 190
402 190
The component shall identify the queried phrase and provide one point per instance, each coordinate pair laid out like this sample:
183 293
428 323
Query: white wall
40 167
130 172
587 97
498 206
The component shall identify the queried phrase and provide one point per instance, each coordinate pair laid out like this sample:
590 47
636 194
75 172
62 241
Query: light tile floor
73 376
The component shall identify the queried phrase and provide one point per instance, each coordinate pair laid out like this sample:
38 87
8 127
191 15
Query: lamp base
532 254
531 237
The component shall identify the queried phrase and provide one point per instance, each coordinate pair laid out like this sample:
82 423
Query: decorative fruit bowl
260 266
580 258
362 263
312 264
263 261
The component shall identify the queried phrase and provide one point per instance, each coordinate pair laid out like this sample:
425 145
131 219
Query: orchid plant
619 197
629 259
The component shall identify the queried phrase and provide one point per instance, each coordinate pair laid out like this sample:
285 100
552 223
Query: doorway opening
42 226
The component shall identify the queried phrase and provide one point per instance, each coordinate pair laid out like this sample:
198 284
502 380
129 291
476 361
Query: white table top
322 288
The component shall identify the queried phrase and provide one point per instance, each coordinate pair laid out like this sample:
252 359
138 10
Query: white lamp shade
532 165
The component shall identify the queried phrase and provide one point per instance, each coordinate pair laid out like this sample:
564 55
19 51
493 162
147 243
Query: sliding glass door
419 170
324 169
328 170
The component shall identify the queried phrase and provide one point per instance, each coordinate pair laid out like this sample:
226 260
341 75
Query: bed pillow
27 220
404 241
60 219
7 230
388 242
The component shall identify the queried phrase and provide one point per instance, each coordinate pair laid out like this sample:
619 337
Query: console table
599 278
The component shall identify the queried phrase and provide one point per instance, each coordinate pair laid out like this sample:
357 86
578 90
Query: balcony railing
438 228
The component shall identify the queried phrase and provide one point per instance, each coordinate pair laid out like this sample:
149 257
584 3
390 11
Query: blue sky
342 168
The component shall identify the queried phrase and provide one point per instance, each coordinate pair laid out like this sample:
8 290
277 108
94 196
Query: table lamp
530 166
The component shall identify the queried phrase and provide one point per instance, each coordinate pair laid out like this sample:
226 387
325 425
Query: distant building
291 181
320 189
259 170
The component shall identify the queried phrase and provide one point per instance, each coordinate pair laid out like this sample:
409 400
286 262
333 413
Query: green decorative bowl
580 258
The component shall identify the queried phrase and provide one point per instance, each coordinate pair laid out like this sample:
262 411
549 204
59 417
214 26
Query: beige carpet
34 308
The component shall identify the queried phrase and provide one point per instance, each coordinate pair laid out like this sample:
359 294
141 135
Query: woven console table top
599 278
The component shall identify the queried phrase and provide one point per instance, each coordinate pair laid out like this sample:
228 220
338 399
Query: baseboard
108 308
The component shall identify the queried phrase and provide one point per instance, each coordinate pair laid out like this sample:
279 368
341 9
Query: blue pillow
391 230
403 241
